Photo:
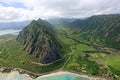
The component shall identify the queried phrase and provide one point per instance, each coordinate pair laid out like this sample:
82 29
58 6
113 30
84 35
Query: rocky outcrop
39 40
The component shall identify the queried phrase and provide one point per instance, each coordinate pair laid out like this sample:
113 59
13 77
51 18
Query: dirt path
48 63
72 50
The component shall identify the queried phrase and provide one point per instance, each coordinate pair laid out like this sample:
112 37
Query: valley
90 59
87 51
42 48
59 39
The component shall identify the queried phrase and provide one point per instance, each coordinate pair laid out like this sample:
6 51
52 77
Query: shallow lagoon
15 75
63 77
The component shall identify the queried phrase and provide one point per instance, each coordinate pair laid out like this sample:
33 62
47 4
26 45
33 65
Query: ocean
15 75
9 31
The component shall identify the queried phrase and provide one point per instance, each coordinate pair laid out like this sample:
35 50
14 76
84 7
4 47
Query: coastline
16 71
67 72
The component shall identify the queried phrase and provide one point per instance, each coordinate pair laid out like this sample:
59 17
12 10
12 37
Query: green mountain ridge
80 46
106 28
39 40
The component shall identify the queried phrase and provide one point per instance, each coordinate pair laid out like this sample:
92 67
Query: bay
15 75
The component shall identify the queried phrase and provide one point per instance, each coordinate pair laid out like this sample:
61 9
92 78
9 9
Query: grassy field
114 61
79 57
80 48
92 59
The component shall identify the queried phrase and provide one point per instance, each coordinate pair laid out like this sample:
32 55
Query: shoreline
67 72
53 73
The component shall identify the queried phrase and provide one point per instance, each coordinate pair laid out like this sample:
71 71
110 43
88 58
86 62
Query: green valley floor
78 56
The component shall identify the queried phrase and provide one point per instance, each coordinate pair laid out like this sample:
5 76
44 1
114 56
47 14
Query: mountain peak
39 40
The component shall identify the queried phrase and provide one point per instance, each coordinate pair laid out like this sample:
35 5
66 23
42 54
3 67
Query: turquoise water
56 77
63 77
18 76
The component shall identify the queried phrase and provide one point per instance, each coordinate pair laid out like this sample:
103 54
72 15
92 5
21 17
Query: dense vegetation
87 58
99 29
12 55
89 46
39 40
102 29
102 33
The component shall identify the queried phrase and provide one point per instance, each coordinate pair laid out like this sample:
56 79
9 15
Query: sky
21 10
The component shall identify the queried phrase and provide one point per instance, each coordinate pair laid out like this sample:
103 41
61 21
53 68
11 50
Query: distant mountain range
89 46
59 22
105 28
13 25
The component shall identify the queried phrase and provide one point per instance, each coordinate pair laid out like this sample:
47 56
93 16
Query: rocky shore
10 70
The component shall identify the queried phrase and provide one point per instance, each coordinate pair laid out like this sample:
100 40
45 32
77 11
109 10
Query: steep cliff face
39 40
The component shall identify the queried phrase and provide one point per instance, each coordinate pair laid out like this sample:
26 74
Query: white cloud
57 8
11 13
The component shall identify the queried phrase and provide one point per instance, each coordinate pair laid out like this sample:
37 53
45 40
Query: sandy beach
67 72
13 74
